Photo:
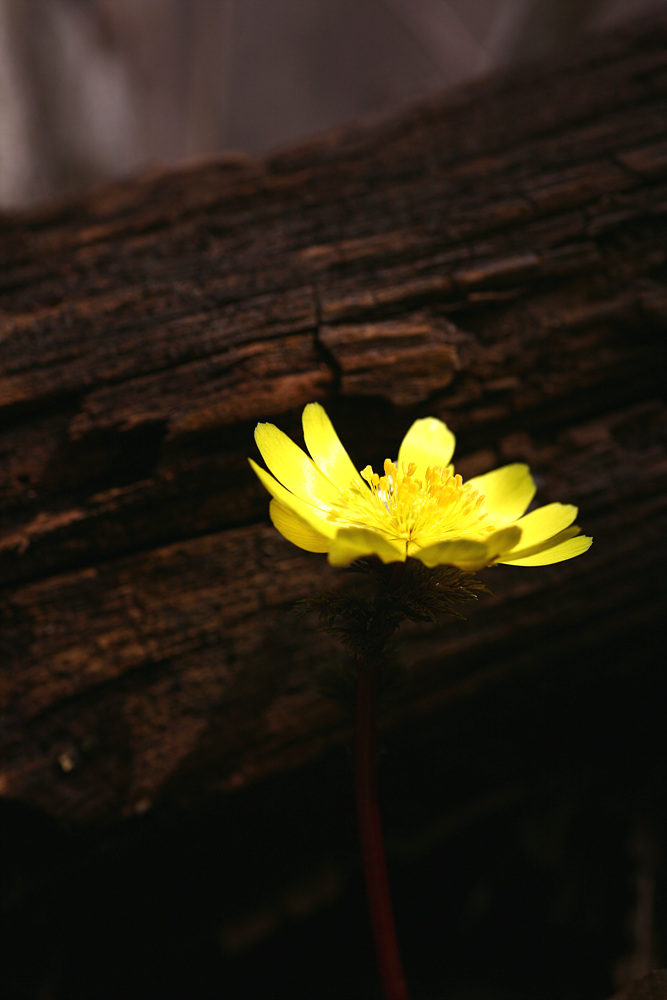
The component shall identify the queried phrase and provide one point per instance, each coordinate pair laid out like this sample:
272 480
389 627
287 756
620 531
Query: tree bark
494 257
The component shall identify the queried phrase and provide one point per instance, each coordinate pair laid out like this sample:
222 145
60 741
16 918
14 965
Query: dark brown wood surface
495 257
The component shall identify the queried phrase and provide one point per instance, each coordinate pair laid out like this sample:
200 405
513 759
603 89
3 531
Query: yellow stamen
407 509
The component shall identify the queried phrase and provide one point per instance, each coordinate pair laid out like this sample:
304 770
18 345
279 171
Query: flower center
404 508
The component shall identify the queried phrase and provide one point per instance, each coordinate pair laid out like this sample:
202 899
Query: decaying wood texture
495 257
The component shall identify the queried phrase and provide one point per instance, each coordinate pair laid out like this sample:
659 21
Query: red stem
370 831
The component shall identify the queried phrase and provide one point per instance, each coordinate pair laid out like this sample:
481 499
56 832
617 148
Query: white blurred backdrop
96 89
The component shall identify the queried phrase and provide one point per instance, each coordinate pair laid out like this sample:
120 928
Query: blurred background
96 89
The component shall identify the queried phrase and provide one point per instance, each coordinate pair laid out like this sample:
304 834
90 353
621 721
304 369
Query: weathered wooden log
494 257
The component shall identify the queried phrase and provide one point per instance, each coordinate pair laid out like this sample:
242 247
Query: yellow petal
567 549
460 552
542 524
293 468
502 541
313 516
523 551
508 491
469 554
355 543
429 442
297 531
326 449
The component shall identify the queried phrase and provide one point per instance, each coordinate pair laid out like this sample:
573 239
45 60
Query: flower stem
370 831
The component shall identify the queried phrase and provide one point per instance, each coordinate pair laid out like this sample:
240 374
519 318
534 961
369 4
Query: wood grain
494 257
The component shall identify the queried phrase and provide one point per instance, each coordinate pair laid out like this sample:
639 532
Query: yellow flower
419 508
